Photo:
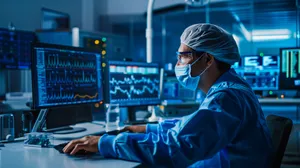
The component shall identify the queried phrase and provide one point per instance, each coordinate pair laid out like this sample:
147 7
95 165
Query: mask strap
204 70
196 60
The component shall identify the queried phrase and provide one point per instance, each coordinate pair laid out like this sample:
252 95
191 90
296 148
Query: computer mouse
60 148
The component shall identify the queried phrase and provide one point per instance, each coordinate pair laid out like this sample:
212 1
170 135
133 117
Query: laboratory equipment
18 100
15 48
7 128
64 76
54 20
290 68
37 139
99 44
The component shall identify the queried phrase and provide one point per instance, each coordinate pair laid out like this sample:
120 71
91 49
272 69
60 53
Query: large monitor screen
290 68
65 76
133 83
15 49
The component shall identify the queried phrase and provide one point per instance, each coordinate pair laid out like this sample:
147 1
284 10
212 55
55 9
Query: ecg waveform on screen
69 96
133 91
126 86
132 80
55 61
60 96
67 77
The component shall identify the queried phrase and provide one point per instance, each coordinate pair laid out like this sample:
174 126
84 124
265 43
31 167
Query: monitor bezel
280 66
35 104
121 104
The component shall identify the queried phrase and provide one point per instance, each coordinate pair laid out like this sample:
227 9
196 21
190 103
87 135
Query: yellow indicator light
97 42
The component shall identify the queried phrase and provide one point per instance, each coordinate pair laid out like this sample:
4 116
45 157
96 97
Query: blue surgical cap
213 40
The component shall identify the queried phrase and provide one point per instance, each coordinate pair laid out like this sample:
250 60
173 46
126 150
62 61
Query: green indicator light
261 54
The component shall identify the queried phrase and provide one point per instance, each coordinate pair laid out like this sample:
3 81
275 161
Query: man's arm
196 137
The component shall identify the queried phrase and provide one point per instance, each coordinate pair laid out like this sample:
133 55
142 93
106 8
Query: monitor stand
40 122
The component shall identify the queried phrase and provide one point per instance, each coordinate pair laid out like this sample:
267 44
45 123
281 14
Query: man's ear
209 59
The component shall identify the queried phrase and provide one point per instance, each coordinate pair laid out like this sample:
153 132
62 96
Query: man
228 130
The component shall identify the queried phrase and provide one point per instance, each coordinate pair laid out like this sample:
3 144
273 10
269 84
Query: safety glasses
186 57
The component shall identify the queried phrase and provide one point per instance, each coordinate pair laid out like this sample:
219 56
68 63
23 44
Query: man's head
209 50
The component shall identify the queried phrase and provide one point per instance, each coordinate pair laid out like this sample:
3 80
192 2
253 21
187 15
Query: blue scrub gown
228 130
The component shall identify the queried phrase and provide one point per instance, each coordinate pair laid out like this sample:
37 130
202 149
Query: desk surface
16 155
283 101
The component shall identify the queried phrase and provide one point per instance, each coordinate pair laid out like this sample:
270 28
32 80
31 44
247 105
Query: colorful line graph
85 96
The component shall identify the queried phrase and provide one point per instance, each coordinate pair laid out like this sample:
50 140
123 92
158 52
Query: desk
279 101
15 155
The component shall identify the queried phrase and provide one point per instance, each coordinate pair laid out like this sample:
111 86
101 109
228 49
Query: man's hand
88 143
135 129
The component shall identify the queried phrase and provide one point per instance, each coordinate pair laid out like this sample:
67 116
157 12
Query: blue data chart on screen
67 77
15 49
261 72
134 83
290 69
172 90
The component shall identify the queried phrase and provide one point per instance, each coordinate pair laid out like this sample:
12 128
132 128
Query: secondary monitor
64 75
134 83
15 49
261 72
290 68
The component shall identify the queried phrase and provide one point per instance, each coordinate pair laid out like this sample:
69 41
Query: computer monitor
15 49
261 72
63 76
290 68
173 90
133 83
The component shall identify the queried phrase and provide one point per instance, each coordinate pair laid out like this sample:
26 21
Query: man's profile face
198 67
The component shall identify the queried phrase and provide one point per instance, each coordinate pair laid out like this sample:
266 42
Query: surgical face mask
183 75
